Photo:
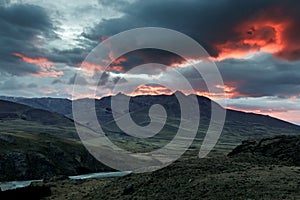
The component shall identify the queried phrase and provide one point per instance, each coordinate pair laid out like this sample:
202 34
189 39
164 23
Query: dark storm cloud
205 21
218 25
27 30
21 25
139 57
72 57
264 76
209 22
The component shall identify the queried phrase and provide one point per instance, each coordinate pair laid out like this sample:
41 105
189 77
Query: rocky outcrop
282 148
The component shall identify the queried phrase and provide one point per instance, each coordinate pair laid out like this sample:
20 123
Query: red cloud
47 68
117 68
90 66
151 90
96 67
271 32
230 90
119 60
116 64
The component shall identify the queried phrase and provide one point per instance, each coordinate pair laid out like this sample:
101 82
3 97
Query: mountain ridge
238 125
50 103
64 106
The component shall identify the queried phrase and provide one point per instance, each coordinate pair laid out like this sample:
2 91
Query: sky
255 45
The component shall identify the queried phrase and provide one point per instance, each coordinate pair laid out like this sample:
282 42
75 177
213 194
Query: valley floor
217 177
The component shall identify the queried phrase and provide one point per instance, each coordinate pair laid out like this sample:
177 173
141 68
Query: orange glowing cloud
47 68
219 95
117 68
151 90
256 36
265 33
230 90
119 61
226 91
116 64
90 66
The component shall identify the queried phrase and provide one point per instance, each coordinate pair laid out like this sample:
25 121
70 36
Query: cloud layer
225 28
256 45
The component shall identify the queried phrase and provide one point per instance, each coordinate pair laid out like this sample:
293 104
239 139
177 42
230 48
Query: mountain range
38 137
239 125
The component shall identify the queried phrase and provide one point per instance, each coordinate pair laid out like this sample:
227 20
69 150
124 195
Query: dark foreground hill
267 168
282 148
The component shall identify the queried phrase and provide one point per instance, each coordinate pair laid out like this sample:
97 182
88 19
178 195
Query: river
10 185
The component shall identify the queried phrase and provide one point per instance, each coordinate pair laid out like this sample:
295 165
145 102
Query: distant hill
19 118
58 105
10 110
